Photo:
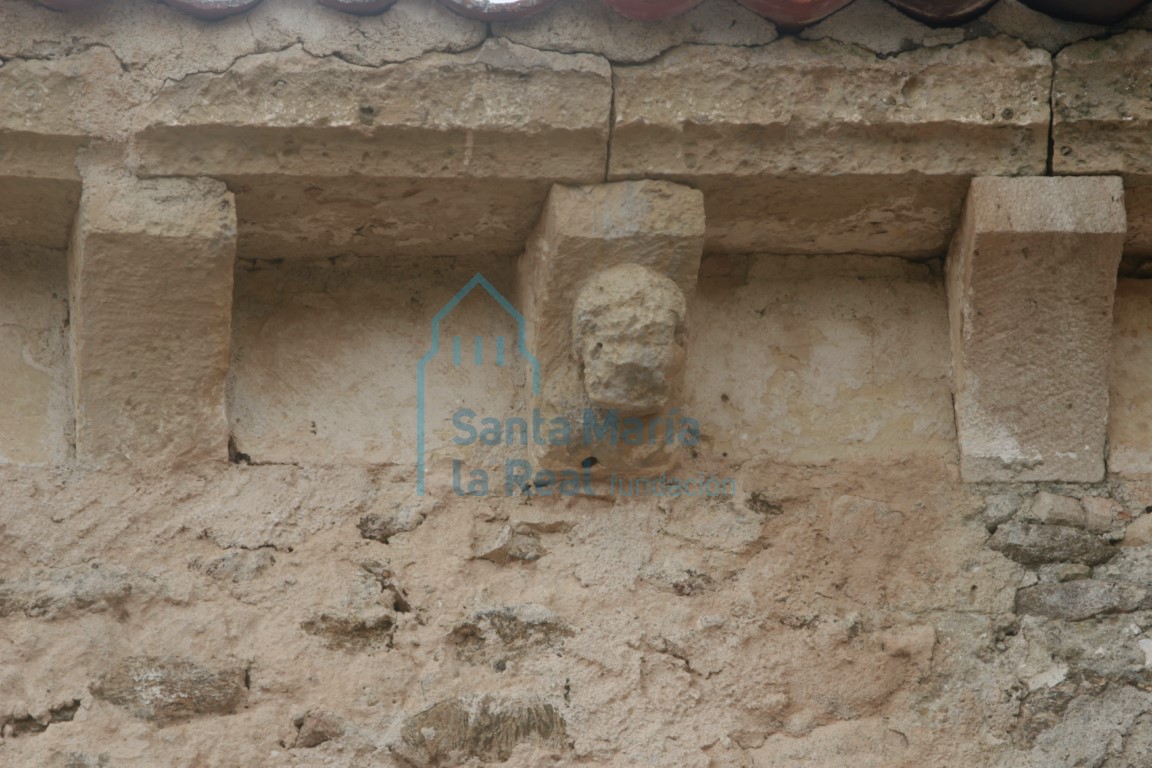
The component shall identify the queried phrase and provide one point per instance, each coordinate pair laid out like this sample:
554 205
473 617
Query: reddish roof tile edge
786 13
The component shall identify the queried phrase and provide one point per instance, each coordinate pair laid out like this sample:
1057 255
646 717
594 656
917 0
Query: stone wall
914 344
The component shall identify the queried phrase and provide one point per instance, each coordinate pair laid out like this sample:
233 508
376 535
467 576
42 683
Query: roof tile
1093 11
650 10
789 14
938 12
497 10
359 7
795 13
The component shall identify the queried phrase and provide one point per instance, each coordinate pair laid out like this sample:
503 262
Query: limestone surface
1012 374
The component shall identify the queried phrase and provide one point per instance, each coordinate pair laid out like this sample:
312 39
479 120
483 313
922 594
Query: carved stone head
630 337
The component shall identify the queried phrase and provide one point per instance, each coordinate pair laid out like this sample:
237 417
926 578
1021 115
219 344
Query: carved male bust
629 333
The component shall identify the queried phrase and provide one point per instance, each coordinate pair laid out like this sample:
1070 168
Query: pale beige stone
1015 19
583 233
1101 120
49 114
36 407
816 359
1031 280
150 272
590 26
1130 399
325 356
1052 509
1139 532
446 154
821 147
879 27
1101 514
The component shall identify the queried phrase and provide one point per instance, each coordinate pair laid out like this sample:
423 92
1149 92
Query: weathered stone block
824 148
36 406
1031 281
591 26
446 154
1101 120
151 270
45 121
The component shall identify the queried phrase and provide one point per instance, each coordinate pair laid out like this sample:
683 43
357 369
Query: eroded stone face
628 332
603 287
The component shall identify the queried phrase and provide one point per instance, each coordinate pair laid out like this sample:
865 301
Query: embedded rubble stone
58 593
151 268
1038 544
1052 509
15 725
483 727
1102 514
1032 405
236 566
513 543
1057 572
401 518
316 727
353 631
1131 564
1082 599
1001 508
1139 532
499 634
822 147
170 689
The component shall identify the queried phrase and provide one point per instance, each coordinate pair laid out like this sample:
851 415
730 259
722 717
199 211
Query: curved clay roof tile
211 10
1092 11
943 11
359 7
794 13
69 5
497 10
650 10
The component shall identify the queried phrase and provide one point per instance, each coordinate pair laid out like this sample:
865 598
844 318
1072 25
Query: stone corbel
606 282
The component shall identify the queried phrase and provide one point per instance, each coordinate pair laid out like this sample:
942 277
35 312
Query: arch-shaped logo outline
521 344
